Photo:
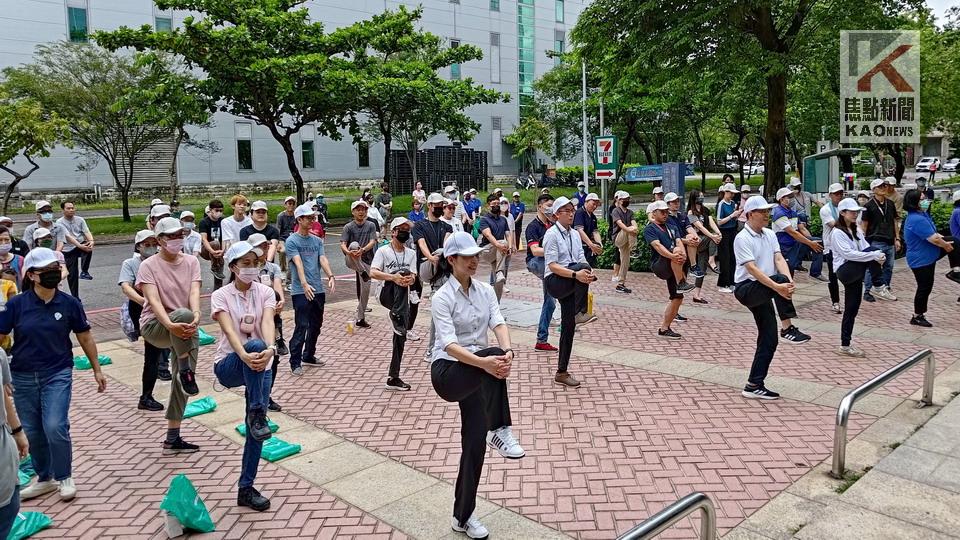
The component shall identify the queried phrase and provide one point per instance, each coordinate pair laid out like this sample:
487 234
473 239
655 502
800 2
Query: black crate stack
439 167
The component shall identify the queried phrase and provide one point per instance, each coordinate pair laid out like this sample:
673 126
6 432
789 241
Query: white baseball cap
730 187
160 210
794 182
620 195
143 235
745 188
516 193
472 190
890 180
186 214
498 190
41 204
559 203
876 182
306 209
4 219
784 192
167 225
289 198
849 204
239 249
955 198
656 205
40 232
592 197
657 189
258 205
155 202
256 239
835 187
38 258
670 197
354 204
398 221
434 198
461 243
757 202
450 189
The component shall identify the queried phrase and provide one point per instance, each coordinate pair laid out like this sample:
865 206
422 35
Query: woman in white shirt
467 371
852 257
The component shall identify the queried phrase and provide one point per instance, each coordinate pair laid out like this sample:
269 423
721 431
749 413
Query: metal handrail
664 519
846 404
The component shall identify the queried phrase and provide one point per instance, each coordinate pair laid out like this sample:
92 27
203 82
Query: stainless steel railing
846 404
664 519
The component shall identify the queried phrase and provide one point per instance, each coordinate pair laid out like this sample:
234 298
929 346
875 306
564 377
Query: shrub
637 264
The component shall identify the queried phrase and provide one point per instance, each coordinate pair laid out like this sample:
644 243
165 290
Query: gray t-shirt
361 234
128 270
55 230
624 215
76 228
9 455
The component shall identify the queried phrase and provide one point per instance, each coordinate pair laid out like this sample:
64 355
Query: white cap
867 193
353 205
142 235
890 180
306 209
155 202
450 189
289 198
38 258
745 188
398 221
504 200
581 184
876 182
471 190
670 197
186 214
620 195
730 187
545 191
167 225
434 198
5 218
835 187
657 189
498 190
849 204
239 249
258 205
559 203
516 193
757 202
448 202
784 192
794 182
955 198
461 243
592 197
256 239
41 204
40 232
160 210
656 205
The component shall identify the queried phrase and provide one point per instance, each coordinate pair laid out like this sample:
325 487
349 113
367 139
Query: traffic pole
583 110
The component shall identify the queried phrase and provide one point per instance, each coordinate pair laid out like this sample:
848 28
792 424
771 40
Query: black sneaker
920 320
622 289
314 362
147 403
252 498
801 268
793 335
188 381
282 349
257 427
396 383
759 392
953 276
867 297
179 446
697 272
680 318
164 375
85 275
362 323
274 406
685 286
668 334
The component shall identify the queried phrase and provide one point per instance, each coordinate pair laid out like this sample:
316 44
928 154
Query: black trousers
832 285
72 258
152 356
760 300
402 314
725 257
483 407
572 295
278 324
925 277
851 274
517 233
85 261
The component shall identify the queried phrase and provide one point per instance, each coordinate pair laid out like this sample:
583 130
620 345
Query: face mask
174 246
49 279
148 252
626 203
403 236
189 225
248 275
47 243
437 212
582 188
495 210
47 216
700 200
216 215
925 204
5 248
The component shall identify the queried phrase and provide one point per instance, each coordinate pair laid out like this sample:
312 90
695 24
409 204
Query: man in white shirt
567 277
762 281
828 217
192 243
230 226
78 246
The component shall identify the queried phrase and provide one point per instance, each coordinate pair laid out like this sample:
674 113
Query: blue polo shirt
497 225
916 229
666 234
586 221
517 208
41 331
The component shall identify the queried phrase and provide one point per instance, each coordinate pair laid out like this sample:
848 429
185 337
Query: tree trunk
774 135
17 178
174 181
645 147
703 169
9 191
387 143
795 151
287 146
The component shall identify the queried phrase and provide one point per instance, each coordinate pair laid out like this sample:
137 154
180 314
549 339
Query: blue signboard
650 173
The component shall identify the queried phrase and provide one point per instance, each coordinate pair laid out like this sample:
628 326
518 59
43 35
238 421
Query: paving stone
783 516
379 485
847 522
426 514
920 504
333 462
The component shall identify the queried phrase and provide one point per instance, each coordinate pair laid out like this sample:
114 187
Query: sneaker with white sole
759 392
725 289
39 488
850 350
884 293
412 335
503 441
837 308
68 490
472 528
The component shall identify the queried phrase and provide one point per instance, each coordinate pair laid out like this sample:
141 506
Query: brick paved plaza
653 421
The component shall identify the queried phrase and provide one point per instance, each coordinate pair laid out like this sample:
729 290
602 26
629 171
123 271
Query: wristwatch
273 348
574 276
16 430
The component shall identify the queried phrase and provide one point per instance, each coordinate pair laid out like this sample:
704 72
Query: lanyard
666 230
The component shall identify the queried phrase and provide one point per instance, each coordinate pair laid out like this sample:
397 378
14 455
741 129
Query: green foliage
639 263
941 211
531 136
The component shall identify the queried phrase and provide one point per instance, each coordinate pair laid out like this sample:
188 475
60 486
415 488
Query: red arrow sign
606 174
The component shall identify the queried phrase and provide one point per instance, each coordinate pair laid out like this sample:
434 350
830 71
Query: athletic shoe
759 392
503 441
697 272
623 289
920 320
368 310
953 276
685 286
837 308
412 335
39 488
68 490
793 335
584 318
218 274
85 275
428 356
252 498
188 381
700 301
179 446
867 297
257 427
298 371
274 406
850 350
884 293
396 383
566 379
821 277
725 289
545 347
668 334
282 349
614 278
801 268
164 375
472 528
680 318
147 403
500 277
315 362
362 323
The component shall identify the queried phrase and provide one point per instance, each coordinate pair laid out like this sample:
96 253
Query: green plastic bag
82 362
200 406
27 524
26 471
242 428
275 449
205 338
183 502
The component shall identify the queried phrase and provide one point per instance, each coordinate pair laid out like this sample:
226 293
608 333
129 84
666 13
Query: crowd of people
757 248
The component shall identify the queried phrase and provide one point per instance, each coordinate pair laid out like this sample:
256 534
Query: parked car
754 168
924 164
951 165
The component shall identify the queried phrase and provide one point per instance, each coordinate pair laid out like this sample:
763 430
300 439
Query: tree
89 88
27 130
263 60
531 136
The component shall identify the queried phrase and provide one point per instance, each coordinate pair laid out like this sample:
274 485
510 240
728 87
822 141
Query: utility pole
583 108
604 183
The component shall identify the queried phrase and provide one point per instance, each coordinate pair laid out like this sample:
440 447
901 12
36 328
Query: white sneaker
412 335
884 293
503 441
837 308
428 356
850 350
614 278
500 277
38 488
725 289
67 489
473 528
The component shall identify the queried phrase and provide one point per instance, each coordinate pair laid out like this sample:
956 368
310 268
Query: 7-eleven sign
605 153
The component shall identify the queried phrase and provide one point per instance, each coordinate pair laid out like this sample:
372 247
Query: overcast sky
939 7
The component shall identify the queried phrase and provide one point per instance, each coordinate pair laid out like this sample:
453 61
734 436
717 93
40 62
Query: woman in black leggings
467 371
852 257
727 214
925 246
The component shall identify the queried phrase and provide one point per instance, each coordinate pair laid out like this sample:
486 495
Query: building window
496 141
163 24
363 154
558 46
244 146
558 8
306 152
526 33
494 5
454 68
494 57
78 27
